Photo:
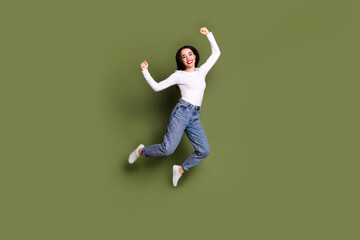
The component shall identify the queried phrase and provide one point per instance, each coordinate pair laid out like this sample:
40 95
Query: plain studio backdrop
281 112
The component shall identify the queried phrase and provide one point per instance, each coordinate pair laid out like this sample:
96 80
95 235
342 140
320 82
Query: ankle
181 170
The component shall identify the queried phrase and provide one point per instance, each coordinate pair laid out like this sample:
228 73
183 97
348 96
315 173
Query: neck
190 69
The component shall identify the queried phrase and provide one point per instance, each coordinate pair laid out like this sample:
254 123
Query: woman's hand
144 65
204 31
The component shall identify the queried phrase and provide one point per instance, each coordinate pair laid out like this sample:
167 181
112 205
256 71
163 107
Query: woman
185 117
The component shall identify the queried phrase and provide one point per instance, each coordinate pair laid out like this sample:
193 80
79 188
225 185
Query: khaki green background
281 112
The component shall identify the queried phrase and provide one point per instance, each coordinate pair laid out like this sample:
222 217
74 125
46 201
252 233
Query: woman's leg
175 130
198 139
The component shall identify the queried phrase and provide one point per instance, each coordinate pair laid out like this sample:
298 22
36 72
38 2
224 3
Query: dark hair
180 64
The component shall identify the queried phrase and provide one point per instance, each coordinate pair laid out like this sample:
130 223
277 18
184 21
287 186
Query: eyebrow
186 53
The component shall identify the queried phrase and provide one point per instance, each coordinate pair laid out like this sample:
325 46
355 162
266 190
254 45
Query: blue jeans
184 118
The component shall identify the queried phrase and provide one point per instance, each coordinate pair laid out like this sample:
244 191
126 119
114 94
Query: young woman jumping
185 116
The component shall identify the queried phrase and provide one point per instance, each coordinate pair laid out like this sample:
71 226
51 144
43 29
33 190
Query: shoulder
174 75
178 73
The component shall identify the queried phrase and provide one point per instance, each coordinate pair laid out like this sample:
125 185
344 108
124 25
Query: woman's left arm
215 51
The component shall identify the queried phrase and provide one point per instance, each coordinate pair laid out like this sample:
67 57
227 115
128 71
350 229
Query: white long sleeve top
191 84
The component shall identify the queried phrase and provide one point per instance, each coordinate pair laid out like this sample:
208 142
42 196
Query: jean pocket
180 110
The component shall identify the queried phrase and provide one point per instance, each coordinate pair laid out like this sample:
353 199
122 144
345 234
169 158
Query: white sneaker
135 154
176 175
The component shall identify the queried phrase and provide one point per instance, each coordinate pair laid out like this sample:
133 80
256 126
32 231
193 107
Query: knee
205 152
168 150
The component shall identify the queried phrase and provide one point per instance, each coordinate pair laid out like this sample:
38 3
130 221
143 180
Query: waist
187 104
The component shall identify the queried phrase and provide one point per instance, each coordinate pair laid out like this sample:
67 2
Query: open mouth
190 62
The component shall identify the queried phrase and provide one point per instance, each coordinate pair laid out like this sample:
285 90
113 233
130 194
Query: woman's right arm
157 86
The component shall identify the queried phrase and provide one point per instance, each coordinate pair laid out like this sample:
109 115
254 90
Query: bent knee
167 151
205 152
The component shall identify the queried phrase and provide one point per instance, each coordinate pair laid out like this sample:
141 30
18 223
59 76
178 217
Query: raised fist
204 31
144 65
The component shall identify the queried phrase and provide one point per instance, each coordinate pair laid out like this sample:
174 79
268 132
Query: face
188 57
